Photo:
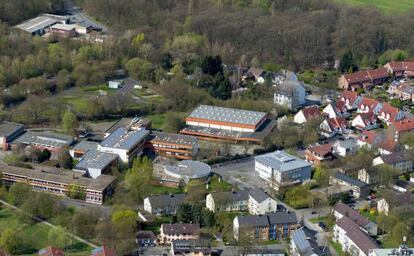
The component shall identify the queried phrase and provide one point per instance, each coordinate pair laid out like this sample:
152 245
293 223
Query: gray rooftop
258 195
173 138
40 22
45 138
288 88
230 115
253 221
348 143
60 176
285 217
300 239
282 161
66 27
94 159
349 180
85 146
231 196
125 139
7 129
162 201
189 169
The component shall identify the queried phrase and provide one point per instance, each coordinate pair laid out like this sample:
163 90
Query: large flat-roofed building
95 163
219 123
175 174
9 132
282 168
124 142
54 142
173 145
39 25
80 149
60 182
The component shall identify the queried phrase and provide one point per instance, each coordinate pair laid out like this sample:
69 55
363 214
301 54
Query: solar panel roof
123 138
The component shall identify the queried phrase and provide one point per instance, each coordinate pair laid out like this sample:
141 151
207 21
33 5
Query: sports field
387 6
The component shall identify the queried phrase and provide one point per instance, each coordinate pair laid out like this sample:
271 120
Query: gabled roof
389 144
338 123
366 75
404 125
251 221
7 128
395 157
388 109
359 237
349 180
284 217
180 228
258 195
162 201
355 216
368 137
371 103
395 199
311 112
321 150
256 72
350 96
288 88
367 118
398 66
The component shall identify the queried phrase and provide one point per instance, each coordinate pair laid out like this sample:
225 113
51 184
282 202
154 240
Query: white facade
256 208
221 127
358 122
147 205
299 118
124 155
371 227
340 236
330 111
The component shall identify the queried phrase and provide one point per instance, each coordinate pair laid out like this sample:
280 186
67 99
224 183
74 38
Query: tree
348 63
69 122
9 240
138 179
140 69
63 80
386 174
18 193
58 237
185 213
173 123
64 159
83 223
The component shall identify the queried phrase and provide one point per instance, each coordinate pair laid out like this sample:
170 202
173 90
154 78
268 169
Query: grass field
35 236
387 6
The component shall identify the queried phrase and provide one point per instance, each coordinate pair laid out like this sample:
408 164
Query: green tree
9 241
76 192
63 80
69 122
185 213
18 193
58 237
173 123
140 69
348 63
138 179
64 159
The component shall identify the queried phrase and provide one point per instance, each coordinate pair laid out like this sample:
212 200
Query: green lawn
387 6
338 248
215 185
318 219
161 190
34 236
157 121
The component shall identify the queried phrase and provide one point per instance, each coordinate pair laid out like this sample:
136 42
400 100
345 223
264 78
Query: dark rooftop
180 228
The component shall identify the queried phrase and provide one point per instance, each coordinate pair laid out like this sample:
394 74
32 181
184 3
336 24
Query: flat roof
123 138
37 23
85 146
66 27
282 161
45 138
228 115
94 159
188 169
7 129
60 176
173 138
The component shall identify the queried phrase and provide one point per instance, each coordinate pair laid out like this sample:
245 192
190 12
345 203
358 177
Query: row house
262 228
333 126
370 139
400 69
163 204
306 114
397 129
340 210
363 79
351 99
336 109
319 153
389 114
256 201
365 121
368 105
404 91
352 239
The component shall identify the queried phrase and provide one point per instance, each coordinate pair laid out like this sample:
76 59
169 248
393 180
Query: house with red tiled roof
51 251
365 121
351 99
399 128
369 105
370 139
390 114
388 146
332 126
363 79
336 109
319 153
400 69
304 115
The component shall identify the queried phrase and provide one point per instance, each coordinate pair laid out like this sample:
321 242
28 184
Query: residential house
369 176
388 146
351 99
389 114
290 94
368 105
279 168
283 75
340 210
51 251
397 129
401 186
365 121
351 238
395 201
403 91
103 251
363 79
192 247
256 74
400 69
179 231
306 114
256 201
345 147
146 238
399 160
303 244
9 132
262 228
319 153
370 139
333 126
359 189
163 204
336 109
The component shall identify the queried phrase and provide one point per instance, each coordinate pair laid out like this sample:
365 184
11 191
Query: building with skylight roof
282 168
125 143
